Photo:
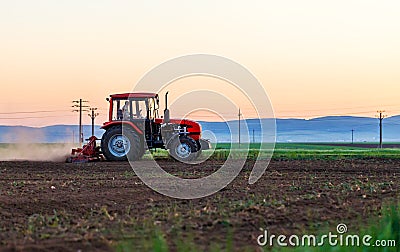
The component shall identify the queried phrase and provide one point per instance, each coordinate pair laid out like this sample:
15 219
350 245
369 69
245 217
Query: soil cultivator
88 153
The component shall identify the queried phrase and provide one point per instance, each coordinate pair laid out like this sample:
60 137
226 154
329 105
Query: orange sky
314 58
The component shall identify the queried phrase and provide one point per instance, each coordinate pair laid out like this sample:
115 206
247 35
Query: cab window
121 109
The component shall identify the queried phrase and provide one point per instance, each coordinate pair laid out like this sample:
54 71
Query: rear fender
204 144
122 123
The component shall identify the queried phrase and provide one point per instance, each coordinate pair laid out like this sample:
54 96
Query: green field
298 151
300 146
314 151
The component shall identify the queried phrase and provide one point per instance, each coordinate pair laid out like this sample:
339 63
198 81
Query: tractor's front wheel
120 146
183 149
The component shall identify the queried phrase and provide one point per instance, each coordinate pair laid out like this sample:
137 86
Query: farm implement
88 153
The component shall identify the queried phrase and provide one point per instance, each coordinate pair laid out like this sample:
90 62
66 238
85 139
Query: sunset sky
314 58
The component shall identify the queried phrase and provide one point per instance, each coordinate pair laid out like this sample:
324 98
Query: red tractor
135 125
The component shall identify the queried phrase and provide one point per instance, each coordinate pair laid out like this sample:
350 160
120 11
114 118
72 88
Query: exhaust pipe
166 110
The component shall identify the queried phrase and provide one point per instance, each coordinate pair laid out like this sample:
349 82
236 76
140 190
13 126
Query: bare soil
68 207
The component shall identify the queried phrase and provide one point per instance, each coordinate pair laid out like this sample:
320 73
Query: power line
313 116
29 117
342 108
326 115
380 117
239 126
81 108
92 116
37 117
32 112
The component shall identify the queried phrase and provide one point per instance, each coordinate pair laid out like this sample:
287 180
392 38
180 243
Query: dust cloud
23 145
35 152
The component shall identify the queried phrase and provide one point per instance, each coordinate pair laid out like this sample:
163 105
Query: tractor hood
194 128
187 122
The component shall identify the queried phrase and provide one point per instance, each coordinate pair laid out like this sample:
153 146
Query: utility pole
381 116
93 115
352 136
239 126
81 108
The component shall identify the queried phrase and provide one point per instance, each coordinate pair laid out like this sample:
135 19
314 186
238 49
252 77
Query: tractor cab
133 106
141 109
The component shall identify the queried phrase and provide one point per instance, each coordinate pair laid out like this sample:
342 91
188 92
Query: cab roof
133 95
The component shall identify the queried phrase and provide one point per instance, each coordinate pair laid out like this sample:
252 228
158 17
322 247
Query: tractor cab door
138 113
141 114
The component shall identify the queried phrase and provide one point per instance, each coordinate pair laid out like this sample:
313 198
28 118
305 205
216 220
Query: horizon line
232 120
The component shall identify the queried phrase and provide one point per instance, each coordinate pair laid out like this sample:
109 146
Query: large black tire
141 154
118 146
183 149
199 149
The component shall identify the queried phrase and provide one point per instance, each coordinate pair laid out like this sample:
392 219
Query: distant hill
323 129
49 134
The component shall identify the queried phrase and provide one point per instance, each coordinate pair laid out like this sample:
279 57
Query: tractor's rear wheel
183 149
120 146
